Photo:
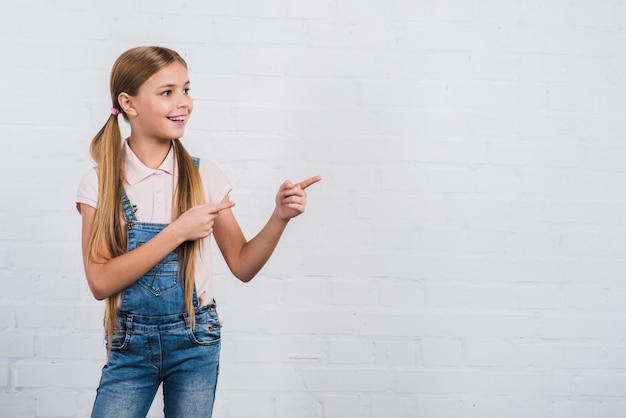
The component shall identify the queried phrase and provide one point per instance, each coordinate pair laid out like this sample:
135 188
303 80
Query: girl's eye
186 91
166 93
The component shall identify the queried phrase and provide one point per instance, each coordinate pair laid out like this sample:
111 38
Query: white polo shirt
151 190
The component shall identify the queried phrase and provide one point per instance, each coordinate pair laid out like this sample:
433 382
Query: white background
464 255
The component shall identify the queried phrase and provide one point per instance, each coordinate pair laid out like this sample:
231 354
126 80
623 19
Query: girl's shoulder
90 177
205 165
88 188
216 183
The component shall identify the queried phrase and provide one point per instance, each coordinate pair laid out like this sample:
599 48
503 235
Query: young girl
149 211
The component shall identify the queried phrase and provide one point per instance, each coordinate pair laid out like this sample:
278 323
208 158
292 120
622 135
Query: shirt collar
136 171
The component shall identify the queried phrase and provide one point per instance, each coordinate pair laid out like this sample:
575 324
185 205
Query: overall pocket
120 339
163 277
207 330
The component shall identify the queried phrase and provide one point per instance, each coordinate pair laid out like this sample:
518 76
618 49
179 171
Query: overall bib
155 343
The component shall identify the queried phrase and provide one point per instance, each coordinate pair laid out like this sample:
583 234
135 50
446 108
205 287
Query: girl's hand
197 222
291 198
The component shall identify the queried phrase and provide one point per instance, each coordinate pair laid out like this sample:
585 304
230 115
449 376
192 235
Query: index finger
306 183
221 206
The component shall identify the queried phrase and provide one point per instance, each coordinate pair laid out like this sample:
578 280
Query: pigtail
108 236
189 192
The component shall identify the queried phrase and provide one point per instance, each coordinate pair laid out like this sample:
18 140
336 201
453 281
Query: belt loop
187 321
129 323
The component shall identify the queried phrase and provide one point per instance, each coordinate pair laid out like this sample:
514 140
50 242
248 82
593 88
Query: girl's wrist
173 234
276 217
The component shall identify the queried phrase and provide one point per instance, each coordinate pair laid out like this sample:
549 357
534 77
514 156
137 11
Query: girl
149 211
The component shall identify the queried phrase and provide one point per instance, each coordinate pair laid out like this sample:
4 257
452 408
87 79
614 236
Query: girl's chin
175 133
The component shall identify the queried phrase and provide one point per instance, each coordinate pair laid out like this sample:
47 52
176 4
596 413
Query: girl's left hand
291 198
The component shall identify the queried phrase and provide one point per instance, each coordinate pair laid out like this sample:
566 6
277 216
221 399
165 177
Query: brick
248 350
259 378
349 379
486 240
17 345
41 316
89 316
480 382
344 406
449 38
495 67
305 10
445 151
4 375
397 406
406 295
592 382
350 63
396 353
346 293
442 354
447 406
351 352
565 355
535 153
298 405
57 375
308 292
309 322
426 12
17 404
58 403
251 405
266 31
83 346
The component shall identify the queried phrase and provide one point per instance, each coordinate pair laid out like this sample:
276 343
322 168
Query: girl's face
162 107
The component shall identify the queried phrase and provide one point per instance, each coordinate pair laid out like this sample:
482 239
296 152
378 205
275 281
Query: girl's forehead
172 74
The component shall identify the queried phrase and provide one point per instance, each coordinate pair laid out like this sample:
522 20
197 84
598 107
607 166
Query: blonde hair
108 236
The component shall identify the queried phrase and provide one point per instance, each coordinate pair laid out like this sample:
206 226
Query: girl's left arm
246 258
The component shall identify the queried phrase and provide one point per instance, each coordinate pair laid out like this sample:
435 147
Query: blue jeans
149 350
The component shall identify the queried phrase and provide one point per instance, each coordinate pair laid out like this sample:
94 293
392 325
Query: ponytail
108 235
189 193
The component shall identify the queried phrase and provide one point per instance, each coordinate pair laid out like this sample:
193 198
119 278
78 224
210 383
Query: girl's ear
126 103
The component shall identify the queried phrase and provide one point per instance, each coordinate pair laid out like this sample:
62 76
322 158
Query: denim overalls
156 343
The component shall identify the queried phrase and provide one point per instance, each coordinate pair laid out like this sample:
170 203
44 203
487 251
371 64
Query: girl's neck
152 153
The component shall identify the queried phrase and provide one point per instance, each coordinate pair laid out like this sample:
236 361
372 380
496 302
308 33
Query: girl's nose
184 101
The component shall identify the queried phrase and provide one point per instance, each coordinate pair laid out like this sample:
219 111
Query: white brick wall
464 255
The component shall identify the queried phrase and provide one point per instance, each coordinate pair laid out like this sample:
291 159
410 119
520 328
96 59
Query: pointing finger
222 206
308 182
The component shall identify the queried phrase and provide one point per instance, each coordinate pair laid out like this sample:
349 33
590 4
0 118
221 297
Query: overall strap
128 209
196 161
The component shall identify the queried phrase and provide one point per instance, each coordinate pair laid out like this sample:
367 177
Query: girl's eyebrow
170 85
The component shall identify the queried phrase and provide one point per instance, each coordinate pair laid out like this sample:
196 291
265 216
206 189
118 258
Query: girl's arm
108 278
246 258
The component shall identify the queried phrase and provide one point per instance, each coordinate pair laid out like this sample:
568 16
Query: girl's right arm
108 278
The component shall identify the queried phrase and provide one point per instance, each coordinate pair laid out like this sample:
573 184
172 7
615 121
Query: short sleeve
216 184
88 189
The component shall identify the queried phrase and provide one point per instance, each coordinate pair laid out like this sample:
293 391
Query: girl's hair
108 236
